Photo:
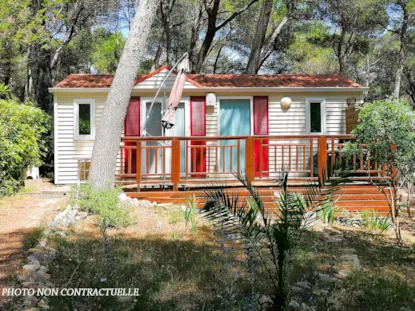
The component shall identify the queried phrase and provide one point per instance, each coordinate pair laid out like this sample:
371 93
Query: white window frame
322 102
77 102
143 113
251 102
168 132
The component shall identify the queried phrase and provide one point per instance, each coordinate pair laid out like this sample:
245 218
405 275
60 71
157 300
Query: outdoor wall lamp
211 100
286 103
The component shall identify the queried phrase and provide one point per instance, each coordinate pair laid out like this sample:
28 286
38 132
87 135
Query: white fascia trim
226 89
79 90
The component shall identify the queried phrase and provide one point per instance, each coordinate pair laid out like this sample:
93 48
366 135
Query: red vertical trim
198 128
132 118
132 128
261 127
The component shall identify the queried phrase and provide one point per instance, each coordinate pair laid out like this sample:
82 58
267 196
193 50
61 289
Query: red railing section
176 160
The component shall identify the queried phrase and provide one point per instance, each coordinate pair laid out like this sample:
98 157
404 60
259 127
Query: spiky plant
272 234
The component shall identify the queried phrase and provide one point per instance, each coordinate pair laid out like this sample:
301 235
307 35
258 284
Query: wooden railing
177 160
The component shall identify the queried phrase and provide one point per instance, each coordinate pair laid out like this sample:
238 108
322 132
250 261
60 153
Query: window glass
315 116
84 119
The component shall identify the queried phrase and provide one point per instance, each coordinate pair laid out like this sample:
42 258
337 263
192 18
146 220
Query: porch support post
138 164
249 158
175 163
322 159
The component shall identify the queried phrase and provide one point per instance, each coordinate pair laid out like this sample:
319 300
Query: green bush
103 202
327 213
190 214
385 124
387 128
372 221
22 127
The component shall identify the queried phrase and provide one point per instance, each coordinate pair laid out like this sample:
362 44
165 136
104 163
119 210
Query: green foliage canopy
387 127
106 50
21 130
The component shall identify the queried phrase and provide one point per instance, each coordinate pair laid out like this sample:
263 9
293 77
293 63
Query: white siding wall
67 149
290 122
155 81
293 122
211 130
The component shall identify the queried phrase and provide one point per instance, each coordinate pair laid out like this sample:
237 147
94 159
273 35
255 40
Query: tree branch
235 14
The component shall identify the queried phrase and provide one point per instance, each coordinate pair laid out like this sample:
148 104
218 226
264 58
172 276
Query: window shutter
132 128
198 128
261 128
132 119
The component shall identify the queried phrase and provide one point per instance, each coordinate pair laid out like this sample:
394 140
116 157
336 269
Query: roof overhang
227 89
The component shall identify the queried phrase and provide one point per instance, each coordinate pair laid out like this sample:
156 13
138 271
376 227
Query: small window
84 119
316 116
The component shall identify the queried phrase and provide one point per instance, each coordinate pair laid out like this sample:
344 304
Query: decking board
352 198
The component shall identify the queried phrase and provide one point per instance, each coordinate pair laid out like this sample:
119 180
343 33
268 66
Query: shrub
22 127
327 213
272 235
385 124
105 203
375 222
190 214
387 127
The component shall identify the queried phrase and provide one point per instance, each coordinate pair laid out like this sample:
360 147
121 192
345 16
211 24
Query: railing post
394 169
138 164
311 157
175 163
249 159
322 159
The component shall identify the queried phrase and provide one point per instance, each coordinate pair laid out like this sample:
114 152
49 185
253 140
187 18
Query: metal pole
143 128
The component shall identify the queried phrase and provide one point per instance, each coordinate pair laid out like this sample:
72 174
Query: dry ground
176 269
21 216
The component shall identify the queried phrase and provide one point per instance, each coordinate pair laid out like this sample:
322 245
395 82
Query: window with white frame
84 117
316 116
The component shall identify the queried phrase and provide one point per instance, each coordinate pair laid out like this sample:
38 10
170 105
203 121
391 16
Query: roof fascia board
226 89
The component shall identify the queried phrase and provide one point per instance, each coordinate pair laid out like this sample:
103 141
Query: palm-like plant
272 234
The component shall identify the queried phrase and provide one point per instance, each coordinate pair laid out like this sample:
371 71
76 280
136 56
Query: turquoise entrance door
234 120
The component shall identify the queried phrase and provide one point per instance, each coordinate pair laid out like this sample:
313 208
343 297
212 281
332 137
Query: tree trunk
195 36
260 32
157 56
107 141
270 42
367 75
41 77
215 64
40 70
401 57
212 12
398 79
210 35
340 55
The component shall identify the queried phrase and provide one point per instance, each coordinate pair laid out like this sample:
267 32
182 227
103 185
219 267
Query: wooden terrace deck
168 169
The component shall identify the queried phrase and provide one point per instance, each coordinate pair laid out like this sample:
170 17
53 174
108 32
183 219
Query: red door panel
198 128
261 152
132 128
